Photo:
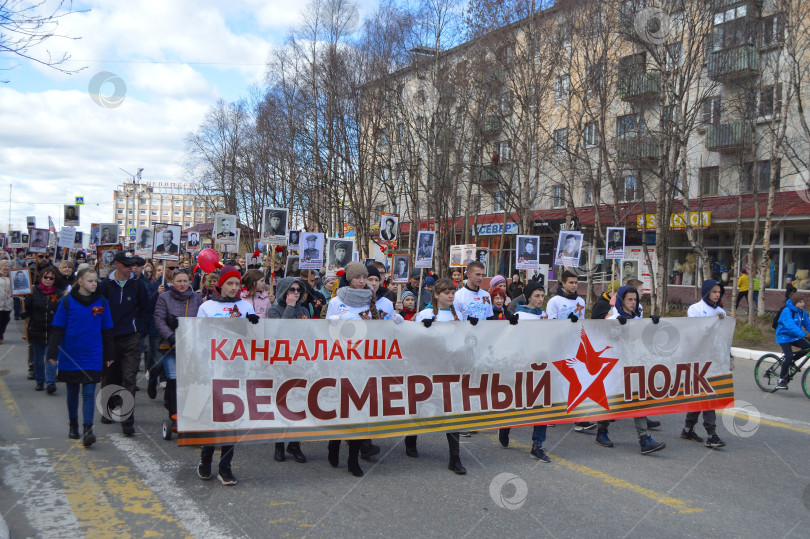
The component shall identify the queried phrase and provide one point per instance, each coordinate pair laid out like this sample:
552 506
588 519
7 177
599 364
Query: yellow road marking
770 422
14 409
109 499
681 506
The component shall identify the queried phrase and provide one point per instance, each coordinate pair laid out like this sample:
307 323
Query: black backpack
775 323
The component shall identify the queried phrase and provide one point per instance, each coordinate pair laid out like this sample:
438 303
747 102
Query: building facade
147 203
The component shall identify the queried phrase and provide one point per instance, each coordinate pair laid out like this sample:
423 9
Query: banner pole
419 293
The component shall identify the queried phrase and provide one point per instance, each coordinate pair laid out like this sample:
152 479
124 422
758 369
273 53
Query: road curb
745 353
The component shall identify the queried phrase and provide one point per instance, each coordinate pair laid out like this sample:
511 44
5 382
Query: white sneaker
162 385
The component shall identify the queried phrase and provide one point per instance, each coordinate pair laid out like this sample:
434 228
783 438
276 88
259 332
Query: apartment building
149 202
590 114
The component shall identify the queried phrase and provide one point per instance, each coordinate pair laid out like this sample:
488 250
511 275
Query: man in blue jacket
129 306
792 331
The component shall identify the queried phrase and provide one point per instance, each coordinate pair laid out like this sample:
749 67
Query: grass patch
745 333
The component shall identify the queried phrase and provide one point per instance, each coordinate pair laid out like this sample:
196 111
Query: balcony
489 178
639 87
722 5
734 64
637 148
729 137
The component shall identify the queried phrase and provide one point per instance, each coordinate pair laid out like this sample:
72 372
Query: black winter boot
73 433
171 396
334 453
278 456
89 438
354 453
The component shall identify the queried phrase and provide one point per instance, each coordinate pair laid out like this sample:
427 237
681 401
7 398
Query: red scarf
47 289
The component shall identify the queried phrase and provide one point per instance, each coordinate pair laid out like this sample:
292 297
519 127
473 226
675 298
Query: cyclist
792 331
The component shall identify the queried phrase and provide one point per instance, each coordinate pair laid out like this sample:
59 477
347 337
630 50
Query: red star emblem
586 374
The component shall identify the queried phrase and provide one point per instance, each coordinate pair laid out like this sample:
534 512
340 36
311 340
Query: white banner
239 382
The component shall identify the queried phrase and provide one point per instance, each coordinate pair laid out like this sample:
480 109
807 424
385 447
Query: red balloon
209 260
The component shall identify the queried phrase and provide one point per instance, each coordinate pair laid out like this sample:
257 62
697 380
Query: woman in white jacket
6 299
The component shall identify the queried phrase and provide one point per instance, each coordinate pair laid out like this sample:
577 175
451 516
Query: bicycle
768 367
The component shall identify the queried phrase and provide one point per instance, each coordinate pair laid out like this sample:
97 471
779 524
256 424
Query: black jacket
39 309
129 306
601 308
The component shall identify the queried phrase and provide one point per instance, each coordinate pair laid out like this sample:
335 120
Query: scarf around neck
355 297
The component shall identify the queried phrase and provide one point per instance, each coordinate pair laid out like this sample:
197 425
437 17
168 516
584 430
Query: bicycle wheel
806 383
766 372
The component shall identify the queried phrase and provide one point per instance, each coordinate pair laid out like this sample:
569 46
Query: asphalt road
757 486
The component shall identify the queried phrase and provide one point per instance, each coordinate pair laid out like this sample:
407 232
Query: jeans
170 364
539 435
787 349
156 359
225 455
44 370
88 402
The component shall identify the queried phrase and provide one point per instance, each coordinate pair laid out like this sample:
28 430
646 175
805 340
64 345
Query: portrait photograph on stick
38 240
225 229
106 256
615 243
424 249
311 254
401 269
144 241
389 227
339 253
569 245
71 215
528 252
108 234
20 281
274 226
167 242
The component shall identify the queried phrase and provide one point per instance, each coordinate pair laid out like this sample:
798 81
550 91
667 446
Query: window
198 215
670 115
628 126
557 196
709 180
177 214
120 211
504 149
587 192
189 203
731 28
674 56
143 201
475 204
200 204
120 200
165 213
590 135
506 103
129 212
633 64
772 31
763 176
178 202
188 214
629 191
770 101
561 88
711 110
188 224
498 202
120 221
593 78
143 212
167 201
560 139
155 201
154 212
143 223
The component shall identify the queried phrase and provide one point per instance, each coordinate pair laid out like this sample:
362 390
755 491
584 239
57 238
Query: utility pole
9 208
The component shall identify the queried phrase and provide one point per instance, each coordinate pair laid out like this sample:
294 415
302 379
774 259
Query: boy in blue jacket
792 331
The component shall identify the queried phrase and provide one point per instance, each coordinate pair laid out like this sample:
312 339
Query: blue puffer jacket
793 324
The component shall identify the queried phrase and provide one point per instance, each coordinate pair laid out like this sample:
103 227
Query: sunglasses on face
48 277
172 267
295 290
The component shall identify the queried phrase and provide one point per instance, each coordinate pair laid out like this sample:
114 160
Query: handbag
164 345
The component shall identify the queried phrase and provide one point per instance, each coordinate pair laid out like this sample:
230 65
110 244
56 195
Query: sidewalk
753 355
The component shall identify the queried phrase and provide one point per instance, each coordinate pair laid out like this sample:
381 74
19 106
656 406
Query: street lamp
135 179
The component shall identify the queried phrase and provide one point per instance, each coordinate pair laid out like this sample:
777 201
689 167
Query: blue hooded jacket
620 298
708 284
791 322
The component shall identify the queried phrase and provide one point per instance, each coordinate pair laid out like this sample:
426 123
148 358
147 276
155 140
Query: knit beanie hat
407 294
226 273
355 270
613 287
530 287
373 272
495 281
429 281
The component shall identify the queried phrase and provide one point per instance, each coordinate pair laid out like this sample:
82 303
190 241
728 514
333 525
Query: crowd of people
84 331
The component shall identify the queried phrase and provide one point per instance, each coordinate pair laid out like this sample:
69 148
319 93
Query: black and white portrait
615 243
106 255
389 227
167 242
569 245
144 241
274 225
38 240
293 240
224 231
456 254
78 240
630 271
15 238
311 252
528 252
31 221
292 267
424 249
20 281
339 253
482 255
193 242
71 215
108 234
401 269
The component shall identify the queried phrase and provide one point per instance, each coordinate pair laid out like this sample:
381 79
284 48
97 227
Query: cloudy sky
176 59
